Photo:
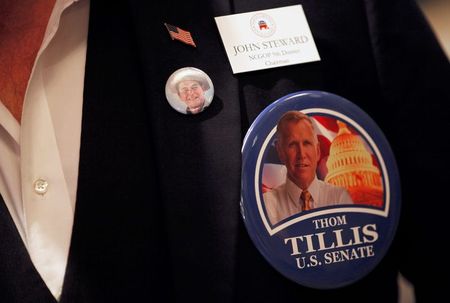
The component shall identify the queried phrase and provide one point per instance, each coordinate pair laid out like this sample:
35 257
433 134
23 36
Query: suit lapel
118 238
198 157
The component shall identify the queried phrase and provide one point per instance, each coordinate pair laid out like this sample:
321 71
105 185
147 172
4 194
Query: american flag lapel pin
180 34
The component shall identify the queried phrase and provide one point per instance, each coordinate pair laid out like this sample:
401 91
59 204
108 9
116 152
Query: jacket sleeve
414 76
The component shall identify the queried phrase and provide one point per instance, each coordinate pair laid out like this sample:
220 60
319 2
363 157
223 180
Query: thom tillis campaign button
320 189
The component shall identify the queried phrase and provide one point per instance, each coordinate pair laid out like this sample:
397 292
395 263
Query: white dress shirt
284 201
39 157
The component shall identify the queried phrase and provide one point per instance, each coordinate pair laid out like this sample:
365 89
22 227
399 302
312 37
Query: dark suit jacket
157 214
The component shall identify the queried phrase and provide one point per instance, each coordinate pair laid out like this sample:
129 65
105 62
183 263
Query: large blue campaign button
320 189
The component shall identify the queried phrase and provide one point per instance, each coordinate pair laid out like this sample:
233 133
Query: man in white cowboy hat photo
190 88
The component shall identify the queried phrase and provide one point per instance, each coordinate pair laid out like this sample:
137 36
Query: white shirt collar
46 145
294 191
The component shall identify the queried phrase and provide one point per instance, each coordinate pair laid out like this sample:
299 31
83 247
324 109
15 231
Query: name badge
267 39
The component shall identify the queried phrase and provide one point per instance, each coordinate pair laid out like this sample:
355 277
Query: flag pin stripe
179 34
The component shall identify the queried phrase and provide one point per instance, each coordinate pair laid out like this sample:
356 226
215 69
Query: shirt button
40 186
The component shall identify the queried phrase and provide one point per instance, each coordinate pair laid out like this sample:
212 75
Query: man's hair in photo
197 78
294 116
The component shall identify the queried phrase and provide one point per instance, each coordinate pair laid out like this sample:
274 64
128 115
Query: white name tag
268 38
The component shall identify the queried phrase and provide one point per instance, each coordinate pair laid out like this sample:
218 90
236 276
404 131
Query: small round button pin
40 186
189 90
